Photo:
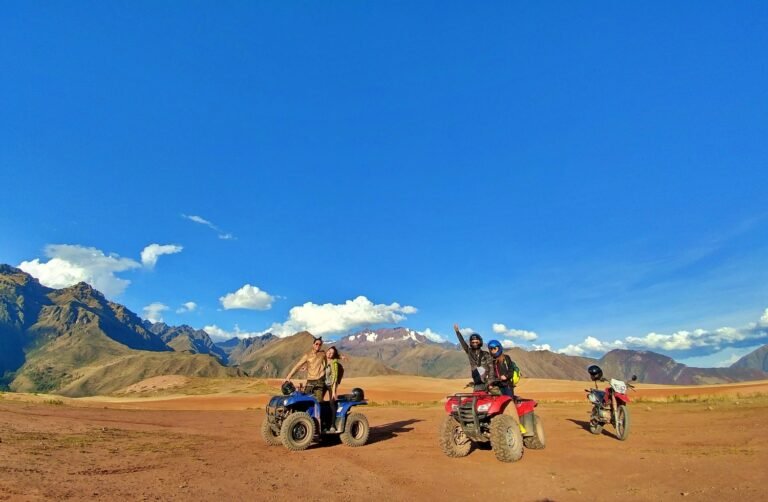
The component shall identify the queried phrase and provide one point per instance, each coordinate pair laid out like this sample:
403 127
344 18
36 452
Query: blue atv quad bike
296 418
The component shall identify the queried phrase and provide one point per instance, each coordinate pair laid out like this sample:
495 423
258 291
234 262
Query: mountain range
73 341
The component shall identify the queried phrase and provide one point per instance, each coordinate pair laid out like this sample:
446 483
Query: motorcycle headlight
484 407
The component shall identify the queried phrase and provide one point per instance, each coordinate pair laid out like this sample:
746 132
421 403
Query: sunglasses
494 349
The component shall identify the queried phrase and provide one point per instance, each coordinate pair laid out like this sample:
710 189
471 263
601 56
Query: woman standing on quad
505 371
334 371
479 360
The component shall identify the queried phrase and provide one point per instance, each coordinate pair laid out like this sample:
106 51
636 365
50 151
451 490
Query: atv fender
511 410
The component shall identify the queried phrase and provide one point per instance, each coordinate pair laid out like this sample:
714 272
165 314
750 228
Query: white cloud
728 362
248 297
683 343
219 334
153 311
150 254
187 307
501 329
591 346
70 264
332 318
431 335
544 346
202 221
507 344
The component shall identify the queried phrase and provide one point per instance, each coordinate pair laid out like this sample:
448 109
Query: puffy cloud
153 311
187 307
591 346
725 363
70 264
431 335
150 254
202 221
332 318
248 297
219 334
544 346
683 343
522 334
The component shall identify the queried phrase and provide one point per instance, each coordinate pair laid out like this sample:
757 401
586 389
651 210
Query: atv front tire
297 431
269 436
452 440
506 440
537 441
356 430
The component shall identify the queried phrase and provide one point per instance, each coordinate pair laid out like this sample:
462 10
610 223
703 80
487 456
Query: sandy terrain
208 447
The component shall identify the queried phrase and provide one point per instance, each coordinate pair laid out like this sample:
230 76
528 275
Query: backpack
515 372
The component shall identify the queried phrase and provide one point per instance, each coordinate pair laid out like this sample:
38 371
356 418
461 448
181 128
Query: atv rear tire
452 440
506 440
356 430
269 435
537 441
622 422
297 431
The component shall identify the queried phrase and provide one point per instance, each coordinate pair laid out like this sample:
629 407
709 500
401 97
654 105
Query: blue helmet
496 344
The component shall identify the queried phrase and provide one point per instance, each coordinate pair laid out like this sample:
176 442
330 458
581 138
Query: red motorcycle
479 417
609 405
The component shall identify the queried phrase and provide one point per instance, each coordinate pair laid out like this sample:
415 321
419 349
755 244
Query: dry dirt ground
702 444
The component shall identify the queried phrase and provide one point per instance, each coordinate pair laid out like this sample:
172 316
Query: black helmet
287 388
358 394
595 372
475 336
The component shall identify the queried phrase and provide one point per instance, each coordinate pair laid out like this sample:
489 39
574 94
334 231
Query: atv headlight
285 402
454 407
484 407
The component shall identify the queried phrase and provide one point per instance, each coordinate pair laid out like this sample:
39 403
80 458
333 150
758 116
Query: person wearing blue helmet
505 371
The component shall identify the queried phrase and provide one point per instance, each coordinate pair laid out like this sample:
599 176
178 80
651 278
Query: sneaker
332 430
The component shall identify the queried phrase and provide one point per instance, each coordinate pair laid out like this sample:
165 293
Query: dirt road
675 451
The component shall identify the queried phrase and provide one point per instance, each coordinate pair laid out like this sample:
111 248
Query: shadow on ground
585 425
391 430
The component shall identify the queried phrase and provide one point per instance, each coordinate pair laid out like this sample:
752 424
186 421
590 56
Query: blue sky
560 172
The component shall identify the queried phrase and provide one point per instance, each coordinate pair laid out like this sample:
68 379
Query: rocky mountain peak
84 291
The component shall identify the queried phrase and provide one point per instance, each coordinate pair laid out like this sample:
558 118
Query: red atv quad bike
479 417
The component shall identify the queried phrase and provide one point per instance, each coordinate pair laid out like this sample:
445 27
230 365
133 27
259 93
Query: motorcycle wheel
622 422
452 440
537 441
506 440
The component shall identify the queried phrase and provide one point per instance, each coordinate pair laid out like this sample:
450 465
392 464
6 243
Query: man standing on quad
315 362
505 371
479 360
